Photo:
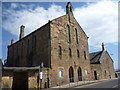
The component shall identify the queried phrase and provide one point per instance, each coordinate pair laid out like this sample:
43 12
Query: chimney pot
21 32
12 41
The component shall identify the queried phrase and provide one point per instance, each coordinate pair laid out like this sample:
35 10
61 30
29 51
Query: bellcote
69 8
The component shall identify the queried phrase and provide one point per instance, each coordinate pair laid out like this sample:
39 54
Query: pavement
81 83
105 84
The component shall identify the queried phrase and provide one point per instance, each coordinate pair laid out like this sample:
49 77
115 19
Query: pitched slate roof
95 56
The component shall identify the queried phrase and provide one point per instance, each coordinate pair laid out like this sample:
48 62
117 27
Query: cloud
13 5
99 20
31 18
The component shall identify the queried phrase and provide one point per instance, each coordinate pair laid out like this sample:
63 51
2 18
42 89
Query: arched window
68 33
85 55
78 54
71 74
79 74
76 35
70 53
59 51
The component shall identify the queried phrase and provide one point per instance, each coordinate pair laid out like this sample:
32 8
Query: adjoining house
102 64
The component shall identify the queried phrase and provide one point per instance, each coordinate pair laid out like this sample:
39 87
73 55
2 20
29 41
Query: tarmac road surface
105 84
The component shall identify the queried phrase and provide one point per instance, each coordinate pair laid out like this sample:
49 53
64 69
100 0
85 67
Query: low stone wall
7 82
33 79
32 82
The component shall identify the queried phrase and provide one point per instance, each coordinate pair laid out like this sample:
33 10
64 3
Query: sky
98 19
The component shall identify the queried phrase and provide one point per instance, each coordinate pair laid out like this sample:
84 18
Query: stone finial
69 8
21 32
12 41
103 47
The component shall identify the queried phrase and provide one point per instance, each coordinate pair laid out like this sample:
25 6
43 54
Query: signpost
40 75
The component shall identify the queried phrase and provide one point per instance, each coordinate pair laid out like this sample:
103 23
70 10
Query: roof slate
95 56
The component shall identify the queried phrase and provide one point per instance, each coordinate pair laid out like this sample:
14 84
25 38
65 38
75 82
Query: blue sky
99 20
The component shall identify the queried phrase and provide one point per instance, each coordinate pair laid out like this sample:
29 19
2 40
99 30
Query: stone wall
31 50
7 82
59 38
105 69
33 79
107 66
97 68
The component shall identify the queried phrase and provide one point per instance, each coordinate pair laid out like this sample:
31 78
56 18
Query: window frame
60 73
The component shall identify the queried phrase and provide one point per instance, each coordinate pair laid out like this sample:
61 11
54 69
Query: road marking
115 86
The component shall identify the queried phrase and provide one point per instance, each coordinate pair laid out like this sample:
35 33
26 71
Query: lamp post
40 74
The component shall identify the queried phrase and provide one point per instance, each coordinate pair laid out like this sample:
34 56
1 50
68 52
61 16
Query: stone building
102 64
61 44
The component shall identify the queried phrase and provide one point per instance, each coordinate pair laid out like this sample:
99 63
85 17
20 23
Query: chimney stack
21 32
12 41
103 47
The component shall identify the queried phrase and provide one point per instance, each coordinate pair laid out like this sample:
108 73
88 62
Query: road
104 84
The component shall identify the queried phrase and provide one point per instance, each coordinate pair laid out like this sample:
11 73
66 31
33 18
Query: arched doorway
79 74
71 74
95 75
